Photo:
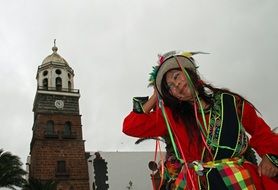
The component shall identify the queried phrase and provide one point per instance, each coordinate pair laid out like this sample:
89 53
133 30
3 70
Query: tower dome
54 57
55 73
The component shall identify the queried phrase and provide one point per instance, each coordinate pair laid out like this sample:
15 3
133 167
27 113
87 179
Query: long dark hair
183 110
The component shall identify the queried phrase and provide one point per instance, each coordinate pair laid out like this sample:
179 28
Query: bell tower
57 146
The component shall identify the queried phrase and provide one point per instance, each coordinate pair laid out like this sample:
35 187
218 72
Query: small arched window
45 72
67 128
49 127
69 85
58 83
45 83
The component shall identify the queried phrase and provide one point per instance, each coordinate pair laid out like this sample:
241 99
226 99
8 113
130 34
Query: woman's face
178 85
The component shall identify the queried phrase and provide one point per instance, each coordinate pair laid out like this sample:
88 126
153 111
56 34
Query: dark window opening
68 133
69 85
45 83
49 127
61 166
49 130
67 128
59 83
45 73
58 71
61 170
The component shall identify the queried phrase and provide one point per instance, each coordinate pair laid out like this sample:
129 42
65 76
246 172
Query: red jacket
263 140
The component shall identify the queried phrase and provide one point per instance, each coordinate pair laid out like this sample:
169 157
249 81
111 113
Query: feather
149 138
153 75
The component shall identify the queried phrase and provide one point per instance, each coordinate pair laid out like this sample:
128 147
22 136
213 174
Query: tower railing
68 135
58 89
51 134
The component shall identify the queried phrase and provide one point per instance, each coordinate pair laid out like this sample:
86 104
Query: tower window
49 127
68 133
45 73
61 170
67 128
49 130
69 85
58 71
69 76
61 166
45 83
58 83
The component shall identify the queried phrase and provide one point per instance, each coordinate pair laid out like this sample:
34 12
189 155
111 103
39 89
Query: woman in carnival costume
207 129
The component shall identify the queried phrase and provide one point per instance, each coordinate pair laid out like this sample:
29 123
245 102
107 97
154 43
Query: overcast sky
112 45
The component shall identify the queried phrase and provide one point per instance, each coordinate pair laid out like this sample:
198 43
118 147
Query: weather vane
54 48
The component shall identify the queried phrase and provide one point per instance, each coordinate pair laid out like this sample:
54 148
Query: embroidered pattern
215 126
273 159
215 123
138 103
242 141
233 174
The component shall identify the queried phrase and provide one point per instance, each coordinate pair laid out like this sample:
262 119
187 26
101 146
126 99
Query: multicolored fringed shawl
233 174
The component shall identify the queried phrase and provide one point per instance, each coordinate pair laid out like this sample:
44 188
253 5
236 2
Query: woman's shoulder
233 98
221 93
219 96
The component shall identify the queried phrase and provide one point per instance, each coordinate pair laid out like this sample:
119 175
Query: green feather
153 75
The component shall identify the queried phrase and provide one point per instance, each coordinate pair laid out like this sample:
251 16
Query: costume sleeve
263 140
144 125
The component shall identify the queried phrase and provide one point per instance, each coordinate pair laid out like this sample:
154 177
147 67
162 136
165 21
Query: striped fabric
236 177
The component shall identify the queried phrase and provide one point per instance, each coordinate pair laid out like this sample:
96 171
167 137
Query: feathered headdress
165 63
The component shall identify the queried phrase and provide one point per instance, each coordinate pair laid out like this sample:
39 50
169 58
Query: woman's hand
267 168
150 104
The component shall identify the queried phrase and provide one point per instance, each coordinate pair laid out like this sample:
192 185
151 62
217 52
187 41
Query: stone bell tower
57 146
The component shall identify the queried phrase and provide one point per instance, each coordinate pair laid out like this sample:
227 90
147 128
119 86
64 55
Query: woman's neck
204 105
